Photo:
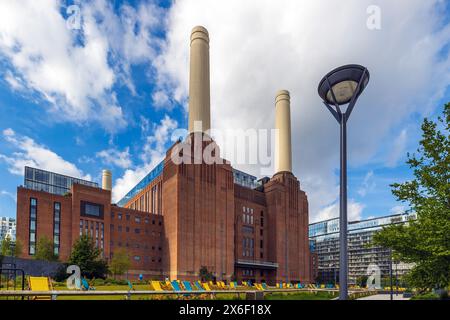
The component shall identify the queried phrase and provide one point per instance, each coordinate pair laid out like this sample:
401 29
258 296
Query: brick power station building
183 216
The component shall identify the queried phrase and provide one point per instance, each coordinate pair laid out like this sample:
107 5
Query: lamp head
344 82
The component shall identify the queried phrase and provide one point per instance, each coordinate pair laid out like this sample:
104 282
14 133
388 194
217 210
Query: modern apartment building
324 236
7 228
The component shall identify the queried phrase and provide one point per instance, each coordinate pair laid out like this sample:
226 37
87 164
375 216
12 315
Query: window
262 222
137 219
91 210
137 258
56 227
251 219
119 216
119 228
32 226
137 230
127 229
128 217
81 228
112 215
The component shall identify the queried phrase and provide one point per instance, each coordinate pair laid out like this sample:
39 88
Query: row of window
136 245
136 230
137 219
95 229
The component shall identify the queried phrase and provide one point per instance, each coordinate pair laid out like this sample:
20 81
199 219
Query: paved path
384 297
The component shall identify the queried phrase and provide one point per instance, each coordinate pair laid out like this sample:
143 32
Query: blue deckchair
130 286
198 285
176 286
264 285
187 285
86 285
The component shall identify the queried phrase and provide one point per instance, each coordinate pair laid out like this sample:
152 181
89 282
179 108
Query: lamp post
339 87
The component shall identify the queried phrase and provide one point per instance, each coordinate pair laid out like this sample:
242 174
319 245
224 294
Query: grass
301 296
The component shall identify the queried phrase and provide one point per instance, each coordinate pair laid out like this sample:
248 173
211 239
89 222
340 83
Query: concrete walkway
384 297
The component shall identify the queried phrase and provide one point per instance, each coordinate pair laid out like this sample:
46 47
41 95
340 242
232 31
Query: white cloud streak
153 153
35 155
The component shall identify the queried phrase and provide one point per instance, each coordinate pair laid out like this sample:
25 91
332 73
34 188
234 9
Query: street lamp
339 87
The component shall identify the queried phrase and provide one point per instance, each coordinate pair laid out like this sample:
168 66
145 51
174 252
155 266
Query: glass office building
41 180
325 236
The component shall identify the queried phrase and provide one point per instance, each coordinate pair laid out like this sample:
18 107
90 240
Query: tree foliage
120 263
10 248
88 258
44 250
204 274
425 241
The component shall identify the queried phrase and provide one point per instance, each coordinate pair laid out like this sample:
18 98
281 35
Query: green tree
88 258
425 241
204 274
45 250
120 263
10 248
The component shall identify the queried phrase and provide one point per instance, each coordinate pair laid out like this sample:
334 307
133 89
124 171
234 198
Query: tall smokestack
283 154
199 95
106 180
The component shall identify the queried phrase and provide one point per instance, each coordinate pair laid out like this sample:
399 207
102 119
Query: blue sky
109 95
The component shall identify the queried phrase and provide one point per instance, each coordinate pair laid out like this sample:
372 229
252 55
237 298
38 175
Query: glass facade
32 226
56 227
41 180
245 179
324 240
156 172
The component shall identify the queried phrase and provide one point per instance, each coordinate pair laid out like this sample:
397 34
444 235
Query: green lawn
301 296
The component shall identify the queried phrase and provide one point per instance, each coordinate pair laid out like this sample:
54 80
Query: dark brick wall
33 267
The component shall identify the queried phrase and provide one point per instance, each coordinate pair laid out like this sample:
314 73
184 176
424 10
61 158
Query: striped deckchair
232 285
199 286
176 285
40 284
187 286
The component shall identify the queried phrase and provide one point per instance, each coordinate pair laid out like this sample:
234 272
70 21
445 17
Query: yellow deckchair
206 286
40 284
258 286
156 286
232 286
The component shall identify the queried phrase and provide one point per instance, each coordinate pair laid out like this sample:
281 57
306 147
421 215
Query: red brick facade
192 215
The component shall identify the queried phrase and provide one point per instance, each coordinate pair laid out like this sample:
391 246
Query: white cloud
161 100
354 212
258 47
115 157
367 185
34 155
75 70
8 194
14 81
397 149
153 153
398 210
